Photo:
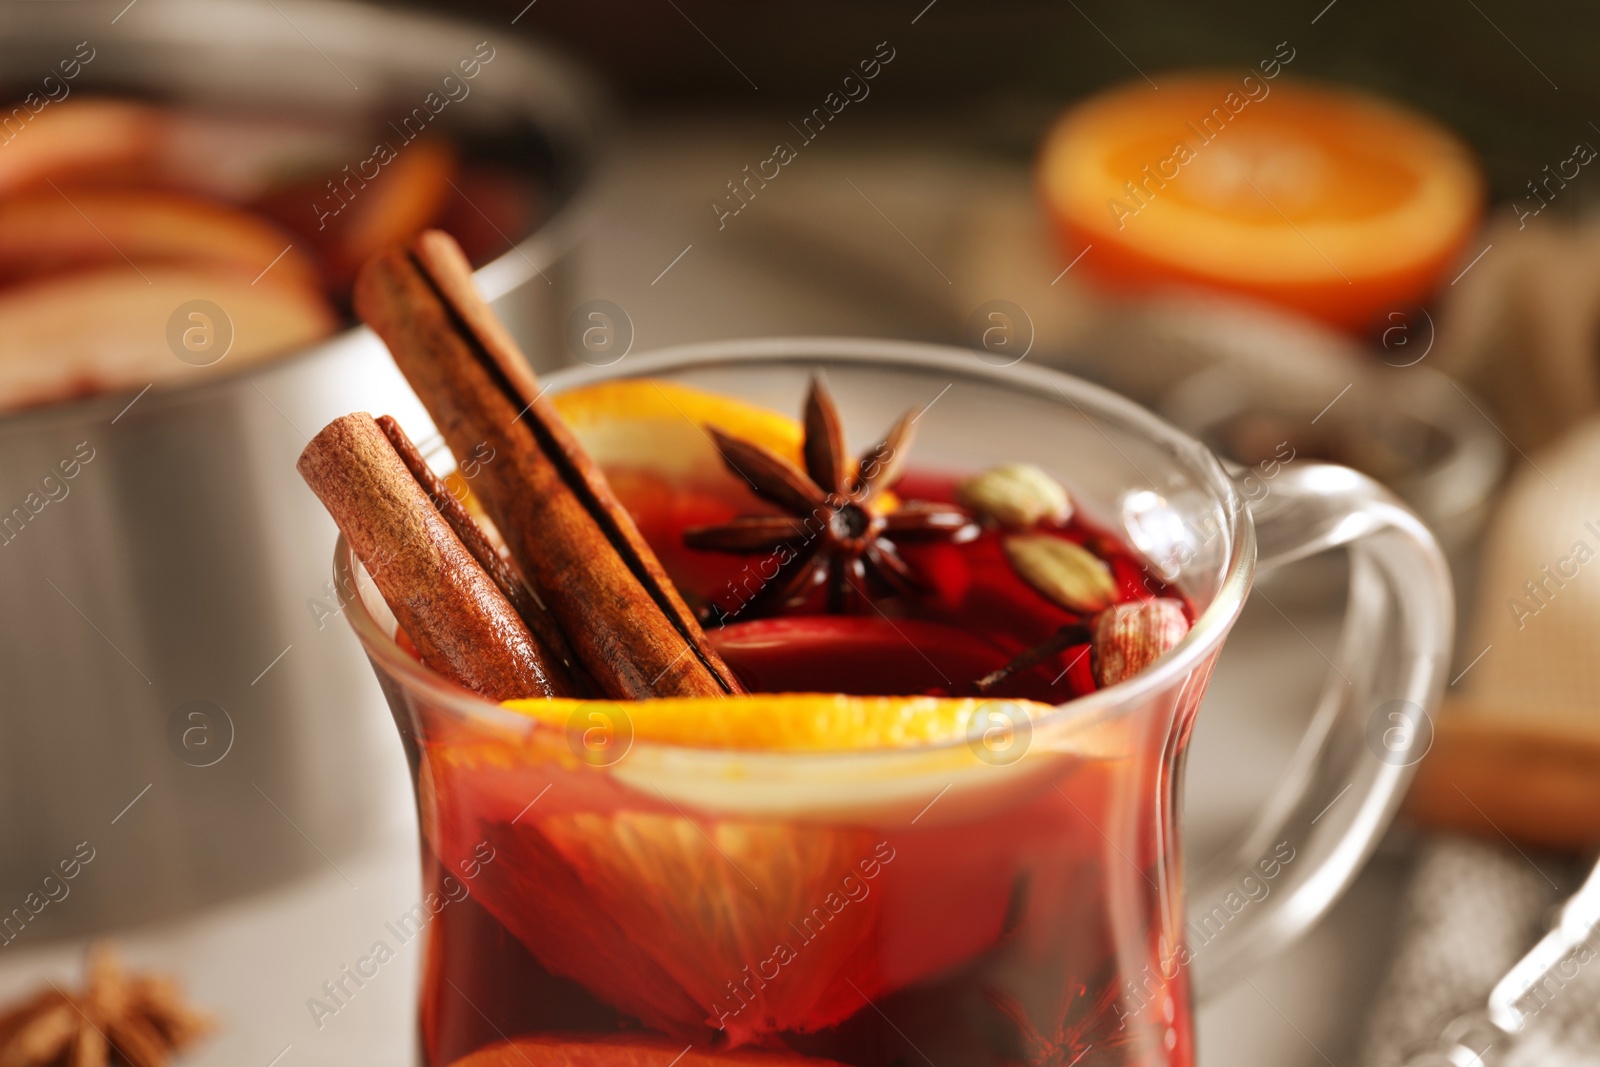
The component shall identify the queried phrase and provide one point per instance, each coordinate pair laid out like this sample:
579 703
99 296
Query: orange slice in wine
650 438
1323 200
663 423
646 429
728 929
790 722
751 920
619 1050
735 930
699 915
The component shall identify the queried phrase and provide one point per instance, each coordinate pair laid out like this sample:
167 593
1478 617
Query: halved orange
1320 199
621 1050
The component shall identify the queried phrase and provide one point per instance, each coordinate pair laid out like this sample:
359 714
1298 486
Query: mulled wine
734 746
988 933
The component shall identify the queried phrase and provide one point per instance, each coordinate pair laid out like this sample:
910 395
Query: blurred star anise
118 1018
1081 1025
835 531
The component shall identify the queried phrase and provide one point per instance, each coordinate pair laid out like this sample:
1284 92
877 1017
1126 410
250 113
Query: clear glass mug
1016 897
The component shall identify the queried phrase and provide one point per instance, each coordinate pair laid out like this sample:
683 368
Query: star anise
137 1020
1080 1027
835 531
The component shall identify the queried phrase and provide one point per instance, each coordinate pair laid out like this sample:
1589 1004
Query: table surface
855 239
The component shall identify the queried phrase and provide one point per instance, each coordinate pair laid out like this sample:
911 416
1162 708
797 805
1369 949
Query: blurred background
1380 253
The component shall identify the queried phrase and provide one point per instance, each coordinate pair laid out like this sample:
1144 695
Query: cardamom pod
1127 638
1064 571
1017 495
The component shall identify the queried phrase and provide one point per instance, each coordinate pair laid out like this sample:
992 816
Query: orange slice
791 722
816 758
620 1050
720 899
741 900
407 194
113 328
1320 199
734 930
643 427
727 909
82 138
650 439
729 928
663 423
53 231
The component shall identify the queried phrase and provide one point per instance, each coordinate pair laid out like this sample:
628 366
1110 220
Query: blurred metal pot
1243 376
176 694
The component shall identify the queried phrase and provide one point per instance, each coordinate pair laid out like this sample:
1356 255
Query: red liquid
1021 924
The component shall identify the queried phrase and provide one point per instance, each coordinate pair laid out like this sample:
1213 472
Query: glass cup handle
1371 726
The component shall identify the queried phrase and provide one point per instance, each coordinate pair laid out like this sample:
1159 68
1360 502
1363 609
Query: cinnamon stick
507 580
462 625
1493 775
565 529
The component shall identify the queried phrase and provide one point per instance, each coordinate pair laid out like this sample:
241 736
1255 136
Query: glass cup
1017 896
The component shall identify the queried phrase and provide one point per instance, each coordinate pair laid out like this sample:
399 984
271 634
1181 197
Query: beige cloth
1522 327
1538 605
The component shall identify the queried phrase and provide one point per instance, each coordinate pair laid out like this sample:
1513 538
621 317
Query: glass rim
1202 640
